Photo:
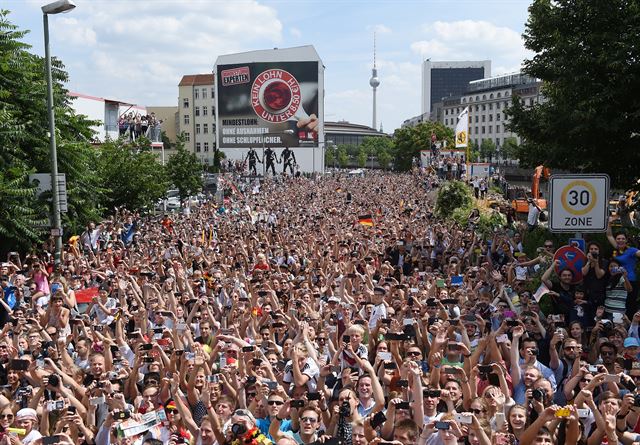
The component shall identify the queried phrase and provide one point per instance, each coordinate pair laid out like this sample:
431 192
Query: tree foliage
24 143
510 148
132 173
488 149
587 55
185 171
409 141
453 195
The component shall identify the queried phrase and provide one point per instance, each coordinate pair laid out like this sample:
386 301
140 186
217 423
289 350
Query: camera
238 429
537 394
345 409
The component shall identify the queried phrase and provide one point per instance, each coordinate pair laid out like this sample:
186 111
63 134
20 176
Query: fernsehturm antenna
374 81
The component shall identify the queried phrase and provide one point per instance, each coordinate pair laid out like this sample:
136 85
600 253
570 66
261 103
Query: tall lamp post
53 8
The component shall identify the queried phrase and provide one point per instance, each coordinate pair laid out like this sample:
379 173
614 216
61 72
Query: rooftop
196 80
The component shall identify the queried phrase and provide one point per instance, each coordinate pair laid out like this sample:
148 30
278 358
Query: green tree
409 141
25 143
185 171
362 158
133 174
587 56
453 195
510 148
343 156
488 149
384 158
329 157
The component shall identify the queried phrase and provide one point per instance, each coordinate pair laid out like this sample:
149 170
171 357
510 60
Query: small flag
365 220
462 129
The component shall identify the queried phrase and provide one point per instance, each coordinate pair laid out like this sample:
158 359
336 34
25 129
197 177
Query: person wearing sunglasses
274 402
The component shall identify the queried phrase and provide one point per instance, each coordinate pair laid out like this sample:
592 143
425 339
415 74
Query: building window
204 93
491 96
206 146
498 130
483 128
484 107
185 102
205 110
197 128
477 98
484 97
198 147
490 129
476 132
498 116
497 139
484 118
464 100
506 104
476 118
212 92
196 93
490 117
196 111
497 105
499 95
446 121
491 106
446 112
205 128
186 119
213 128
187 137
477 107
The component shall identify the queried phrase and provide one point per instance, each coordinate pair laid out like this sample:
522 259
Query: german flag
366 220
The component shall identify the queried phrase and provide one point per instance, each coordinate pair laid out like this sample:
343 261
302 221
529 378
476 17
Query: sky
138 50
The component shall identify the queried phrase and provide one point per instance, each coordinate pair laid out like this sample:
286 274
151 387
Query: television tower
374 81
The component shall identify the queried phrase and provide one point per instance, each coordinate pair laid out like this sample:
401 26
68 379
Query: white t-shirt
310 368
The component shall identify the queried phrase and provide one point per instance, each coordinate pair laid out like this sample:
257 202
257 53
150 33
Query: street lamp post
53 8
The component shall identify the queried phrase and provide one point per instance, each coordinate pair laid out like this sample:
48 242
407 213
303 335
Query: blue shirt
628 260
264 424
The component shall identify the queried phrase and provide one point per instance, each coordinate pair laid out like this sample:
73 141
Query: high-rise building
197 115
487 99
444 79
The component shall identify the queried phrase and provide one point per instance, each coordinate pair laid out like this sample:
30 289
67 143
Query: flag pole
467 160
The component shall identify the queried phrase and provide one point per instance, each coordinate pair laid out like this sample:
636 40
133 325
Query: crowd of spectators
329 310
132 126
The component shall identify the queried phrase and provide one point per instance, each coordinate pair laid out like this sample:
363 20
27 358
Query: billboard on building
270 98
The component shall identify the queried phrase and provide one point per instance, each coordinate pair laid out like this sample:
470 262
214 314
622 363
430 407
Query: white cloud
295 32
140 50
473 40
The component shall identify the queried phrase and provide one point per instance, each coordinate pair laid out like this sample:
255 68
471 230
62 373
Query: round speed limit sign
579 203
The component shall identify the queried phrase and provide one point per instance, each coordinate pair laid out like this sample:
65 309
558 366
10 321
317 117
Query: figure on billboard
288 159
308 123
269 158
252 157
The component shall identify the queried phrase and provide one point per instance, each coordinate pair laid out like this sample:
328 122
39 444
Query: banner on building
268 104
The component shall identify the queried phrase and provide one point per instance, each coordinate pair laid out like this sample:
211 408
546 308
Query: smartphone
148 359
442 425
248 348
386 356
146 347
19 365
612 378
71 409
463 418
49 440
313 396
402 383
297 403
452 370
583 413
562 413
593 369
121 415
272 385
502 338
346 338
390 365
500 418
214 378
485 369
513 323
453 347
403 405
378 419
97 401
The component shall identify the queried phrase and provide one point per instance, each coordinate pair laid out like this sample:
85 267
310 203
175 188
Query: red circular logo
275 95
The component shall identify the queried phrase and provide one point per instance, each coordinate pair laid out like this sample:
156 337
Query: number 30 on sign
579 203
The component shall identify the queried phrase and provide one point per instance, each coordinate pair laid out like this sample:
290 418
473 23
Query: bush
453 195
489 221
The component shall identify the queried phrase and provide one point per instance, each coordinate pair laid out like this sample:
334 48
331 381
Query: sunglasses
6 416
275 402
478 411
171 410
414 353
308 420
585 380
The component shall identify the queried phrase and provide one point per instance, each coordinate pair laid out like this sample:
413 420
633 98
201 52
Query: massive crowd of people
329 310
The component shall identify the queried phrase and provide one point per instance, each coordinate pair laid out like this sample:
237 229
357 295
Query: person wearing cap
632 348
379 311
27 419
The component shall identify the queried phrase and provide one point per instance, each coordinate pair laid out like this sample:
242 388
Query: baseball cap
631 342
